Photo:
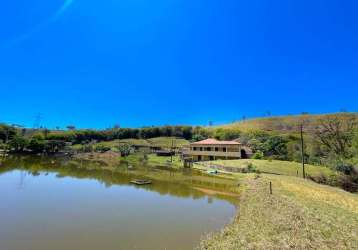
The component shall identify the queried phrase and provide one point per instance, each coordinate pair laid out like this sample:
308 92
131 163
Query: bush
321 179
250 168
348 183
345 168
36 145
258 155
102 148
18 144
124 149
86 148
198 137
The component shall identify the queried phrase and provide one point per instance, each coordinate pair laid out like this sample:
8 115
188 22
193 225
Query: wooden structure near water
141 182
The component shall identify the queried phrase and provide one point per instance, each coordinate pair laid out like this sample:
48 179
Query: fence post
270 187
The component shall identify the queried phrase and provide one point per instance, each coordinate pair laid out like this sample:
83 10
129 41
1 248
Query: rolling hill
285 123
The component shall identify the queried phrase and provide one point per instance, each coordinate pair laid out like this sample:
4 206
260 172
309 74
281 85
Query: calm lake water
50 205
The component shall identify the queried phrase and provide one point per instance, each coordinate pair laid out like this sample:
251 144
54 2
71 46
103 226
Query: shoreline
288 218
300 213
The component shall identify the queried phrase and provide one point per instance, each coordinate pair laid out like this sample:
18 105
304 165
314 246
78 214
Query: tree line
333 142
335 139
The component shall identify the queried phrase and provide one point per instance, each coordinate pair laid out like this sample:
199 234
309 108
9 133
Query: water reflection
167 181
63 204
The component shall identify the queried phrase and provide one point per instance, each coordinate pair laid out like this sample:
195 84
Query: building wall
219 148
211 158
214 152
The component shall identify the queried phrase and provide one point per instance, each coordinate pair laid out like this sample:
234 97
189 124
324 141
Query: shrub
258 155
18 144
345 168
86 148
102 148
198 137
124 149
321 178
251 168
348 183
36 145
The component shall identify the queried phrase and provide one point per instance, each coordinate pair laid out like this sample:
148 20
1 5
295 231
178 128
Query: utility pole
303 153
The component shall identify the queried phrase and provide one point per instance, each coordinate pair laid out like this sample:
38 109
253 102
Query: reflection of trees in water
173 182
22 180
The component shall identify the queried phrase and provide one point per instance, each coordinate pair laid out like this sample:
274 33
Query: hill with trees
330 140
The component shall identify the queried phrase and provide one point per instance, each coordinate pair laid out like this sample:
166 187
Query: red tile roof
215 142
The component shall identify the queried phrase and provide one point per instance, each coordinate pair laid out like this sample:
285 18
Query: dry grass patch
299 215
273 166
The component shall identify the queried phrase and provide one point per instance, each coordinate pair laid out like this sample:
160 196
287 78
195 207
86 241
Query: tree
337 133
275 146
18 144
36 145
6 133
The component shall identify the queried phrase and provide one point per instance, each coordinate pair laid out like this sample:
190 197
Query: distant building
212 149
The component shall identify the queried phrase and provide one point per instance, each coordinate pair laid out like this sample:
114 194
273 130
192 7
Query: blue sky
136 62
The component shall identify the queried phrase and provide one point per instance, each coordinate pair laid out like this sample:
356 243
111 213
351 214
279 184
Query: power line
38 119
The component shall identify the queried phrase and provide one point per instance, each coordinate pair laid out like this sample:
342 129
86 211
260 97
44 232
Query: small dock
141 182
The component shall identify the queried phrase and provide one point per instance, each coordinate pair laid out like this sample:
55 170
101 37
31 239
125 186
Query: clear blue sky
137 62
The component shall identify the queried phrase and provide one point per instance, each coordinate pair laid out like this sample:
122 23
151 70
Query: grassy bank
163 142
299 214
273 167
153 160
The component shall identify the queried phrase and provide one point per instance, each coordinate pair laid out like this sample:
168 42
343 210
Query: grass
299 215
154 160
274 167
164 142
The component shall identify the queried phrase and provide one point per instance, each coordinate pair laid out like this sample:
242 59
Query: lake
60 204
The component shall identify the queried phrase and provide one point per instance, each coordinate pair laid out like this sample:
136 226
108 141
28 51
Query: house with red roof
212 149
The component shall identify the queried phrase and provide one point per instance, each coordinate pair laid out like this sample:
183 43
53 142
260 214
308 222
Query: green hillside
285 123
